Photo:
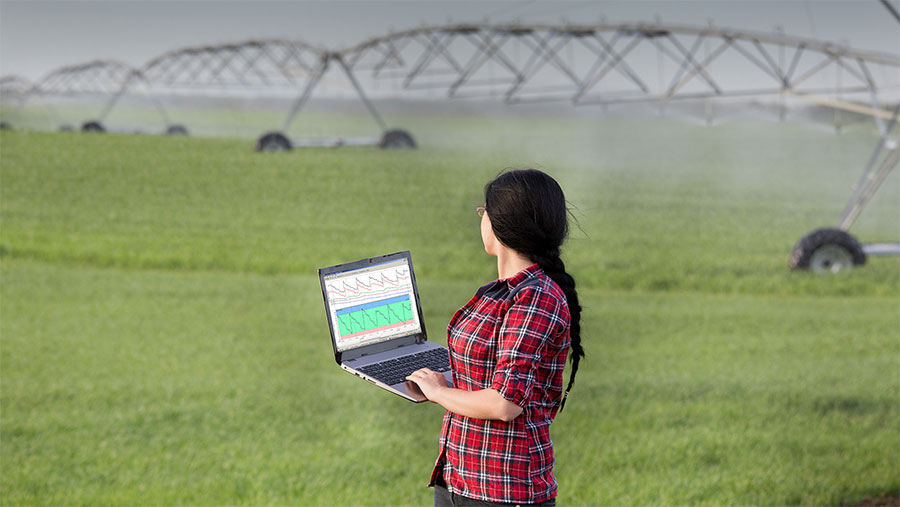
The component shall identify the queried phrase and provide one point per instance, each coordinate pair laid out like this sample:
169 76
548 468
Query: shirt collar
521 276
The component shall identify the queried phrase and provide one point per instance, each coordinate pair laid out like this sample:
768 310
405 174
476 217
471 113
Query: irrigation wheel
273 141
827 250
92 126
177 130
397 139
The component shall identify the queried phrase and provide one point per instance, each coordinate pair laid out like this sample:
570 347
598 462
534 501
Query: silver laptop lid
372 305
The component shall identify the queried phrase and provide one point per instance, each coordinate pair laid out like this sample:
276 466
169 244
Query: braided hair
528 214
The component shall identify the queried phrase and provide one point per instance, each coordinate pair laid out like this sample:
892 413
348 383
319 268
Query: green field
162 339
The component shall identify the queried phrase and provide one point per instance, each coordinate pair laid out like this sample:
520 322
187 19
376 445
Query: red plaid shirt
513 336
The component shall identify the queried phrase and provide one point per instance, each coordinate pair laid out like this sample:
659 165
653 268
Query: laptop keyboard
394 371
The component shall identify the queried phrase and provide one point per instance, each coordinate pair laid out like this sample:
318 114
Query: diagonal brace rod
870 180
362 94
313 81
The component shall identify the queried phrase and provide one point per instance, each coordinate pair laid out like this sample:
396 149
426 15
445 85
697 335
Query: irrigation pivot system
265 64
619 63
658 63
259 65
583 65
598 64
104 78
13 90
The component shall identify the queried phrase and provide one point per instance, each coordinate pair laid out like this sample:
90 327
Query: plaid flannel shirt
512 336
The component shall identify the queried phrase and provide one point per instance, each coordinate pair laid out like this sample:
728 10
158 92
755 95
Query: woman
508 347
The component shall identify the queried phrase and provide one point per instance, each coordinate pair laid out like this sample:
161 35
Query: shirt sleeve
528 326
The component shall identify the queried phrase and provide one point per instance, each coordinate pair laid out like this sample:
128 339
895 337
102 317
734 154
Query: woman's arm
484 404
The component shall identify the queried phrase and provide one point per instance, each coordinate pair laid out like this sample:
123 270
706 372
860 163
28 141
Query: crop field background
163 341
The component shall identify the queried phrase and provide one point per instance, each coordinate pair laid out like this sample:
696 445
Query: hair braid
555 268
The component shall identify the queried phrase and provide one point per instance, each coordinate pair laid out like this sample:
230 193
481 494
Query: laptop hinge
375 348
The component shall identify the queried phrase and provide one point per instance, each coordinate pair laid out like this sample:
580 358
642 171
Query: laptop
376 325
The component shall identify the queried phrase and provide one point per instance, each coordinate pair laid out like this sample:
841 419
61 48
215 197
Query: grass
162 339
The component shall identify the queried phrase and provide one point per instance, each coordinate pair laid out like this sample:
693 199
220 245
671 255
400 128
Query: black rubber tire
397 139
273 141
806 248
92 126
65 127
177 130
5 126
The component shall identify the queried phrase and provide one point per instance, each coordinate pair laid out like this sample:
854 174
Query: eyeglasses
480 210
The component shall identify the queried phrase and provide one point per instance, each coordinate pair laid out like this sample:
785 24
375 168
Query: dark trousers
444 498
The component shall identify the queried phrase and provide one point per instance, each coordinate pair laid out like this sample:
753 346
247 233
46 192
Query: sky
37 37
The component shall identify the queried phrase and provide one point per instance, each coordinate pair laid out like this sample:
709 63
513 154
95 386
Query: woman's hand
482 404
428 381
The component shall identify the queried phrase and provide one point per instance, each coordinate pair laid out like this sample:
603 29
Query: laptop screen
371 304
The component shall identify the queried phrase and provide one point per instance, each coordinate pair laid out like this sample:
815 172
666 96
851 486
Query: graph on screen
372 304
379 315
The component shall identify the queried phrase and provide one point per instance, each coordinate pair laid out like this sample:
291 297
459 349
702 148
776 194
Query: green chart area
372 316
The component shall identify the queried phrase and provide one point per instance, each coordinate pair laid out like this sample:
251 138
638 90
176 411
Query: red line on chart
382 282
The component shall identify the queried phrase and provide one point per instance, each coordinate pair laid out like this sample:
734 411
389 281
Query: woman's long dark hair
528 213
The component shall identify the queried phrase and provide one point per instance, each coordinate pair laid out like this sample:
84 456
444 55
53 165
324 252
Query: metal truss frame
13 92
254 64
422 59
105 78
14 88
